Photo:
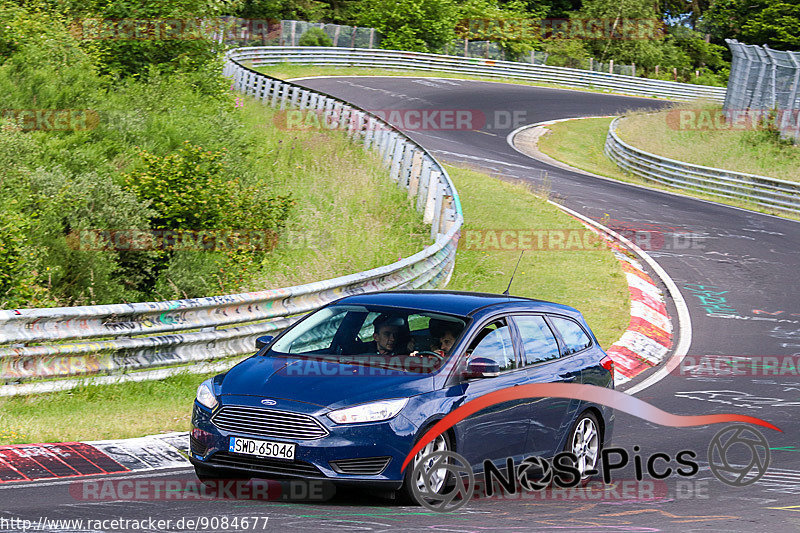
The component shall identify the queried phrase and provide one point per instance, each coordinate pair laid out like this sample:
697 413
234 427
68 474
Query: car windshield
412 339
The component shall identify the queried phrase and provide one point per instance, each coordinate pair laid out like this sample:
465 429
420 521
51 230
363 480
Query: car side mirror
482 367
264 340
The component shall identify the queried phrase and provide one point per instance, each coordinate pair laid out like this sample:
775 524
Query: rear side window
575 339
537 339
494 342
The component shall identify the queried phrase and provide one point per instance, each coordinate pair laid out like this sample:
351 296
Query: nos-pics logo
444 481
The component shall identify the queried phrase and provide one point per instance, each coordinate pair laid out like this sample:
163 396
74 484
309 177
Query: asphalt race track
737 274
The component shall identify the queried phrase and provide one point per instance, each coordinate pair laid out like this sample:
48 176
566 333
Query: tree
772 22
512 25
415 25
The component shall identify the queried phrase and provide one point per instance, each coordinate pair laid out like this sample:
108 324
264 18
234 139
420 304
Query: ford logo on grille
267 401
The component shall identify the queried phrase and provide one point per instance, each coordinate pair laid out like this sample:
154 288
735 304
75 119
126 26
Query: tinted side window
574 337
494 342
539 342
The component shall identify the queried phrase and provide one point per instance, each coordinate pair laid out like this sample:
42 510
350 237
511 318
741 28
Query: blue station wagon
344 394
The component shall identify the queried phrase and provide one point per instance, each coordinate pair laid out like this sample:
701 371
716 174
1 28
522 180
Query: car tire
406 494
586 442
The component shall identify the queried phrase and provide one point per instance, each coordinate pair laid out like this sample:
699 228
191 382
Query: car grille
268 423
265 465
196 446
365 467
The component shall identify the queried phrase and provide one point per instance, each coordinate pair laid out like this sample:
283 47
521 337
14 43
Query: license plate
262 448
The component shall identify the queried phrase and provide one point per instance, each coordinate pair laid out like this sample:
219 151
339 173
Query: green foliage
775 23
414 25
566 53
315 37
511 24
187 188
127 38
192 188
308 10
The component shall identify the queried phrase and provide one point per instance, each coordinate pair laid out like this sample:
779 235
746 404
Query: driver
444 333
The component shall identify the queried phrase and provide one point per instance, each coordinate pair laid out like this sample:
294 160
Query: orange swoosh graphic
590 393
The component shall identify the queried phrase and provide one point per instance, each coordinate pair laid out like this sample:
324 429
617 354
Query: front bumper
376 447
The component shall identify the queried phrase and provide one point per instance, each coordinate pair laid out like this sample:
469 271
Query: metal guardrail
761 190
360 57
74 341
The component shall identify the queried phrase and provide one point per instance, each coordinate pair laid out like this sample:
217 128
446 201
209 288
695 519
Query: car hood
327 384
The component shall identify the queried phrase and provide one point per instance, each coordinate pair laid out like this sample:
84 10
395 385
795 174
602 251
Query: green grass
719 146
287 71
590 280
579 143
349 216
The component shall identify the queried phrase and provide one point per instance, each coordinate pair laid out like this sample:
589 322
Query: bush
315 37
192 189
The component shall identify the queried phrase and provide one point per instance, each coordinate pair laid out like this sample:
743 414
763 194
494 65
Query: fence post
611 66
371 37
294 29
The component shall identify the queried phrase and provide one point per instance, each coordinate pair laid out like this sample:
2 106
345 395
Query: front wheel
584 441
438 478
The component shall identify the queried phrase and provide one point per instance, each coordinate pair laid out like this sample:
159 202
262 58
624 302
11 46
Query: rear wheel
584 441
439 478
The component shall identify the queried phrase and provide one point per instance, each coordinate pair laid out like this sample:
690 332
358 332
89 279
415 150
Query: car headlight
205 394
368 412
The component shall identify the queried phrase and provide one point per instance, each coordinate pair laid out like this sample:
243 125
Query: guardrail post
369 135
397 159
447 218
344 112
387 150
433 208
425 180
405 167
284 95
431 197
275 89
414 175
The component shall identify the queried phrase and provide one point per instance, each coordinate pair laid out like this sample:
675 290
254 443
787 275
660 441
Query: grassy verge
349 216
696 134
580 142
287 71
590 280
100 412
